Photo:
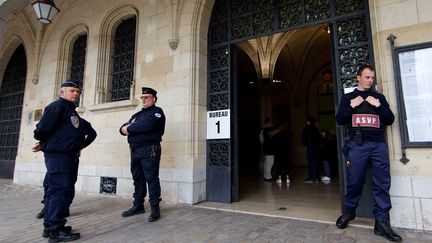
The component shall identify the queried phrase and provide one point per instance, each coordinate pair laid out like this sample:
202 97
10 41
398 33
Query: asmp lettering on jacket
365 120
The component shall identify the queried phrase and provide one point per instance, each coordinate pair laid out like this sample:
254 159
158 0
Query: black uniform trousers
74 178
58 186
313 161
145 162
361 156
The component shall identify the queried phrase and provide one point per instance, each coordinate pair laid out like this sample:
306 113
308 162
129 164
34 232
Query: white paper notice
416 80
419 130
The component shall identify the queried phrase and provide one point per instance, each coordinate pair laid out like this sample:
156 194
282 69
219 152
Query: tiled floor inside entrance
297 200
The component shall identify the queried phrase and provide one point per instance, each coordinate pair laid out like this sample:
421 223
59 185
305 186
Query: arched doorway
234 21
11 102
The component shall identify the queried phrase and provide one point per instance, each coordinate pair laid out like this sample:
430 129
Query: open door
219 122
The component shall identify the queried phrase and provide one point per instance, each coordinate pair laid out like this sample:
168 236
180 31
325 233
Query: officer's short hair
363 67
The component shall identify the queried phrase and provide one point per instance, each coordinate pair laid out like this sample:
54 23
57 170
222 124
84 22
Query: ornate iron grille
233 21
11 101
353 48
108 185
123 60
78 59
219 153
348 6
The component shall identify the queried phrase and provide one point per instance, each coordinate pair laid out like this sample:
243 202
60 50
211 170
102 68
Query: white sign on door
218 124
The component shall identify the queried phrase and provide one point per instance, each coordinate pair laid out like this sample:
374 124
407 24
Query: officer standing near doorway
144 130
62 134
367 113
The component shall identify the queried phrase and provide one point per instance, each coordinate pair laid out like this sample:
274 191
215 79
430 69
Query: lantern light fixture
45 10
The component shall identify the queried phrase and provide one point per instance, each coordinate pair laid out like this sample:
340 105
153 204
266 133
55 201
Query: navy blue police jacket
372 129
62 131
146 127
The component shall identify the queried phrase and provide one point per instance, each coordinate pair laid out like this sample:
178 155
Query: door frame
233 21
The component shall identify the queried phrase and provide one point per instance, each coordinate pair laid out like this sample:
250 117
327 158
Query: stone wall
410 21
178 74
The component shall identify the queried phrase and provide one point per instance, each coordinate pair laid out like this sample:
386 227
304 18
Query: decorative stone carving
35 80
173 43
174 8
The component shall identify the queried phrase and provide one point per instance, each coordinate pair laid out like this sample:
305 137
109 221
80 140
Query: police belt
55 155
139 148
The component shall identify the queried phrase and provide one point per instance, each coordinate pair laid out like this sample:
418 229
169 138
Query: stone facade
410 22
179 75
171 56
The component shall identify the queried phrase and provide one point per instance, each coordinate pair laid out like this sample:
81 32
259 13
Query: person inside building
267 148
144 131
282 147
366 114
310 139
62 134
325 151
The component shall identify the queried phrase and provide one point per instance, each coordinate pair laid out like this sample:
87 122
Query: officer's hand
356 101
124 130
37 148
373 101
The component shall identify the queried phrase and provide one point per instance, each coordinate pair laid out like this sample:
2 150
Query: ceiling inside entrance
295 58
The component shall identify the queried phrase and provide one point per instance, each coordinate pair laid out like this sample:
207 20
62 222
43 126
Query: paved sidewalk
98 219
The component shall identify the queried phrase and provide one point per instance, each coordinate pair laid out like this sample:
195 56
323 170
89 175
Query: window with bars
11 103
123 60
78 59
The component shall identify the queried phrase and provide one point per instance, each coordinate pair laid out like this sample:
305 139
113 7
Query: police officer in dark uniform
144 130
366 114
62 134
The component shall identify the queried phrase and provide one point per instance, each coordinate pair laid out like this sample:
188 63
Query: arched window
122 70
11 103
71 55
78 59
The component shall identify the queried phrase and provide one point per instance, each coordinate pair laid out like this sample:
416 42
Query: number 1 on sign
218 126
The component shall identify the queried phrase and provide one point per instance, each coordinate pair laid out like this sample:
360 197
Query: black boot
41 214
155 213
61 236
135 209
383 228
45 232
343 220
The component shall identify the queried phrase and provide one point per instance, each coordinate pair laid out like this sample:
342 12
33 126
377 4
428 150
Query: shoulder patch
75 121
158 115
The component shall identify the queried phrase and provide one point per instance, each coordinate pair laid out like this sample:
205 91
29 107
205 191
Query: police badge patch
158 115
75 121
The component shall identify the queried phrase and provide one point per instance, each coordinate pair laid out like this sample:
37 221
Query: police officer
366 114
144 130
62 134
91 136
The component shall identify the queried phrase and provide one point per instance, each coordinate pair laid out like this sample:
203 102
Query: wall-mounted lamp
45 10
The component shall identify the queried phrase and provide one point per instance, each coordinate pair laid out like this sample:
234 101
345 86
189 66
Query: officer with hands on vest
144 131
62 134
366 114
